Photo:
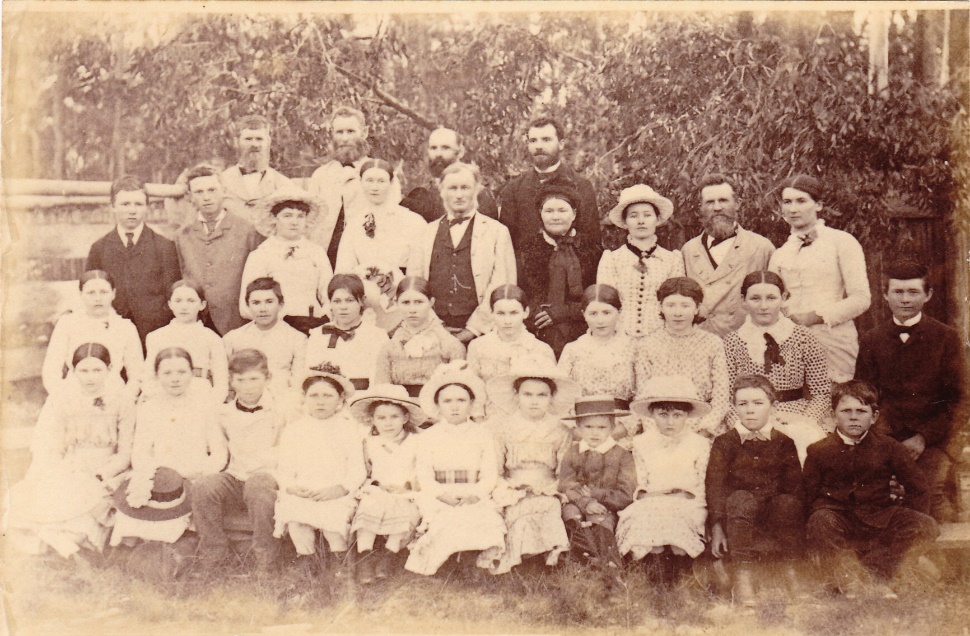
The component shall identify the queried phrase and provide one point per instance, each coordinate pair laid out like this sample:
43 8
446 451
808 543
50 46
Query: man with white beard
723 255
251 179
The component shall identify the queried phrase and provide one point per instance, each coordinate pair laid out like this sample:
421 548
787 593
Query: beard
543 161
437 165
349 153
719 226
256 159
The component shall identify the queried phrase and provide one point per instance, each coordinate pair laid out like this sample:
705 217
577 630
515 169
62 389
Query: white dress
203 344
663 464
638 289
397 231
458 459
391 464
827 277
61 503
318 454
300 267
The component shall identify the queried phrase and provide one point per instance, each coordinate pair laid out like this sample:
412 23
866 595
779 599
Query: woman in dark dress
558 263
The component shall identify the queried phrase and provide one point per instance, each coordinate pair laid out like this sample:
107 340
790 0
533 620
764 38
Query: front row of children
435 495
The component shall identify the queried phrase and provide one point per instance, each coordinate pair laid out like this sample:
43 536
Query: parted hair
753 381
91 350
95 274
127 183
264 283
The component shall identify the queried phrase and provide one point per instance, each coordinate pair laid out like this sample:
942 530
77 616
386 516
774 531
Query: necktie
642 255
336 333
131 239
208 228
247 409
772 353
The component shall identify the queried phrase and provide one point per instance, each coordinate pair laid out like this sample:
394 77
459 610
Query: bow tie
754 436
247 409
807 238
245 171
336 333
457 220
904 329
291 252
772 353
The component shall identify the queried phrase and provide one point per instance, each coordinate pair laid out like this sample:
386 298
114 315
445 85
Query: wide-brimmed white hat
266 223
669 388
393 393
454 372
502 388
641 193
332 371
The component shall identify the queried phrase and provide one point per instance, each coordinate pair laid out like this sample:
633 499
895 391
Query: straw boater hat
266 222
332 371
393 393
454 372
502 390
670 388
170 498
641 194
600 404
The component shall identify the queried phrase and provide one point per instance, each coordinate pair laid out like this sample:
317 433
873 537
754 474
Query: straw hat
641 193
266 222
332 371
454 372
502 388
600 404
669 388
170 498
393 393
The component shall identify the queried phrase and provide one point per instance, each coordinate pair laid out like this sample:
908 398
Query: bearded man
337 182
252 179
445 147
519 200
723 255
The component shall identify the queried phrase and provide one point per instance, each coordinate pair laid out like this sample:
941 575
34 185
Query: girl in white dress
531 443
637 267
321 466
669 506
386 505
80 450
96 321
457 471
347 341
176 429
187 331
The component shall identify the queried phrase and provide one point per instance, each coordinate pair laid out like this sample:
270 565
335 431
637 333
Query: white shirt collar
849 441
744 432
222 215
909 323
602 449
467 217
550 169
137 232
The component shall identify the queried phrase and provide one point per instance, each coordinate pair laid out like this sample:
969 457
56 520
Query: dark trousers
756 525
881 550
936 466
213 496
597 540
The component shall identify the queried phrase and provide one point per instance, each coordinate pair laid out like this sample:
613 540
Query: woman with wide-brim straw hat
531 443
386 505
457 469
299 265
667 516
637 267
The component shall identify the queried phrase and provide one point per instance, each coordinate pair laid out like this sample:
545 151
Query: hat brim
149 512
501 390
360 405
466 377
266 222
613 413
642 407
665 209
345 383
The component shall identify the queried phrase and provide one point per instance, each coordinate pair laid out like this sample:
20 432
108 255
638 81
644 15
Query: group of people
443 380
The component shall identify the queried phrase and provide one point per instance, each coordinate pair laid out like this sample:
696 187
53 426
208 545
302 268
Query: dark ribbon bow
565 271
808 238
642 255
458 220
904 329
336 333
247 409
370 225
772 353
291 252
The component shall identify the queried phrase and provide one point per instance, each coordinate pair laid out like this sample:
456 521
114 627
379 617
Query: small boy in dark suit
598 477
754 487
916 363
852 507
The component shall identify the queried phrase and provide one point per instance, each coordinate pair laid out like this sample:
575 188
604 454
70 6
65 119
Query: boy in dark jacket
851 505
754 494
598 477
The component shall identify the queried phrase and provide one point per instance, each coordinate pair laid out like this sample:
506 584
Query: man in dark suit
519 200
142 263
916 362
444 148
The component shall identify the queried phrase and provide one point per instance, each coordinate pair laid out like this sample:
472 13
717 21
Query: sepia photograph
512 317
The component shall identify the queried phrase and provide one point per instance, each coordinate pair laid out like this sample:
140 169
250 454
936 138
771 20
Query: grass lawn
52 596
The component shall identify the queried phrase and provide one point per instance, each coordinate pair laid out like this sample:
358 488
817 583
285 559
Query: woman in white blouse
824 270
386 231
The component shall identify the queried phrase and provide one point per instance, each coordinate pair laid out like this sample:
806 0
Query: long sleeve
852 265
47 446
718 466
255 268
606 270
218 366
95 257
215 440
356 470
126 433
382 367
720 391
323 281
171 271
567 360
298 369
142 448
488 472
52 371
424 467
811 477
911 478
134 362
817 379
621 494
286 457
569 483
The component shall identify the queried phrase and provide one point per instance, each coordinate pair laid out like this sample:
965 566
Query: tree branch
388 99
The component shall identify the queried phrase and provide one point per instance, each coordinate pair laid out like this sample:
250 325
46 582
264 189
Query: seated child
386 507
457 471
597 477
251 425
283 346
321 466
671 461
847 487
754 484
177 430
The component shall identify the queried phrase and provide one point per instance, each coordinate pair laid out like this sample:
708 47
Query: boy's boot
605 545
744 586
366 566
385 563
